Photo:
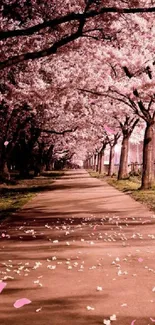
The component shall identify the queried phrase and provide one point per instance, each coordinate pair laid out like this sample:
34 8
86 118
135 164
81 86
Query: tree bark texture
101 162
123 167
148 163
4 171
111 161
95 162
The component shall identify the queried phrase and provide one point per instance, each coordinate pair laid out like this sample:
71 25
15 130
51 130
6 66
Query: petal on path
99 288
106 322
21 302
140 260
90 308
133 322
38 310
113 317
2 286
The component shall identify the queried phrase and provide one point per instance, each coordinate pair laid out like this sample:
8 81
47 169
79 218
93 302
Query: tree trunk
111 161
148 168
48 158
101 164
95 161
36 170
123 167
39 168
91 163
24 172
153 154
98 162
4 172
49 165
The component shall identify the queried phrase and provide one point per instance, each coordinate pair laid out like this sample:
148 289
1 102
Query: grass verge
14 196
130 186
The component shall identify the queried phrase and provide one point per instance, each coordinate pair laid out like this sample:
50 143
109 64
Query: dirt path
80 253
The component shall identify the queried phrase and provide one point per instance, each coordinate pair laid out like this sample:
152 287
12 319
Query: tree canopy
68 69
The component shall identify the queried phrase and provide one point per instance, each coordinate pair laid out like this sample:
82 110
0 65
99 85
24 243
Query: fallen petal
117 259
21 302
90 308
113 317
39 309
99 288
140 260
106 322
132 323
2 286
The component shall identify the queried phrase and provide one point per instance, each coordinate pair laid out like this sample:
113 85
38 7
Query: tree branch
105 95
127 72
91 92
39 54
113 69
150 103
114 141
81 17
71 17
57 132
134 124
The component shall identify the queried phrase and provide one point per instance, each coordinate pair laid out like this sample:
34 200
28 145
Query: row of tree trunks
148 174
97 163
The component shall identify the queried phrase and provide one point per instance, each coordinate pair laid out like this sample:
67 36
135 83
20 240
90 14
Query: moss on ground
14 195
130 186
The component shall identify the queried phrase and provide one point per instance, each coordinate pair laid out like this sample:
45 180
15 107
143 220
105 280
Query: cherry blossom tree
132 83
135 87
64 39
37 29
28 133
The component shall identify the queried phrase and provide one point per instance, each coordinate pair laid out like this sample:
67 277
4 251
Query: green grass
95 174
130 186
146 197
12 203
14 195
127 185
